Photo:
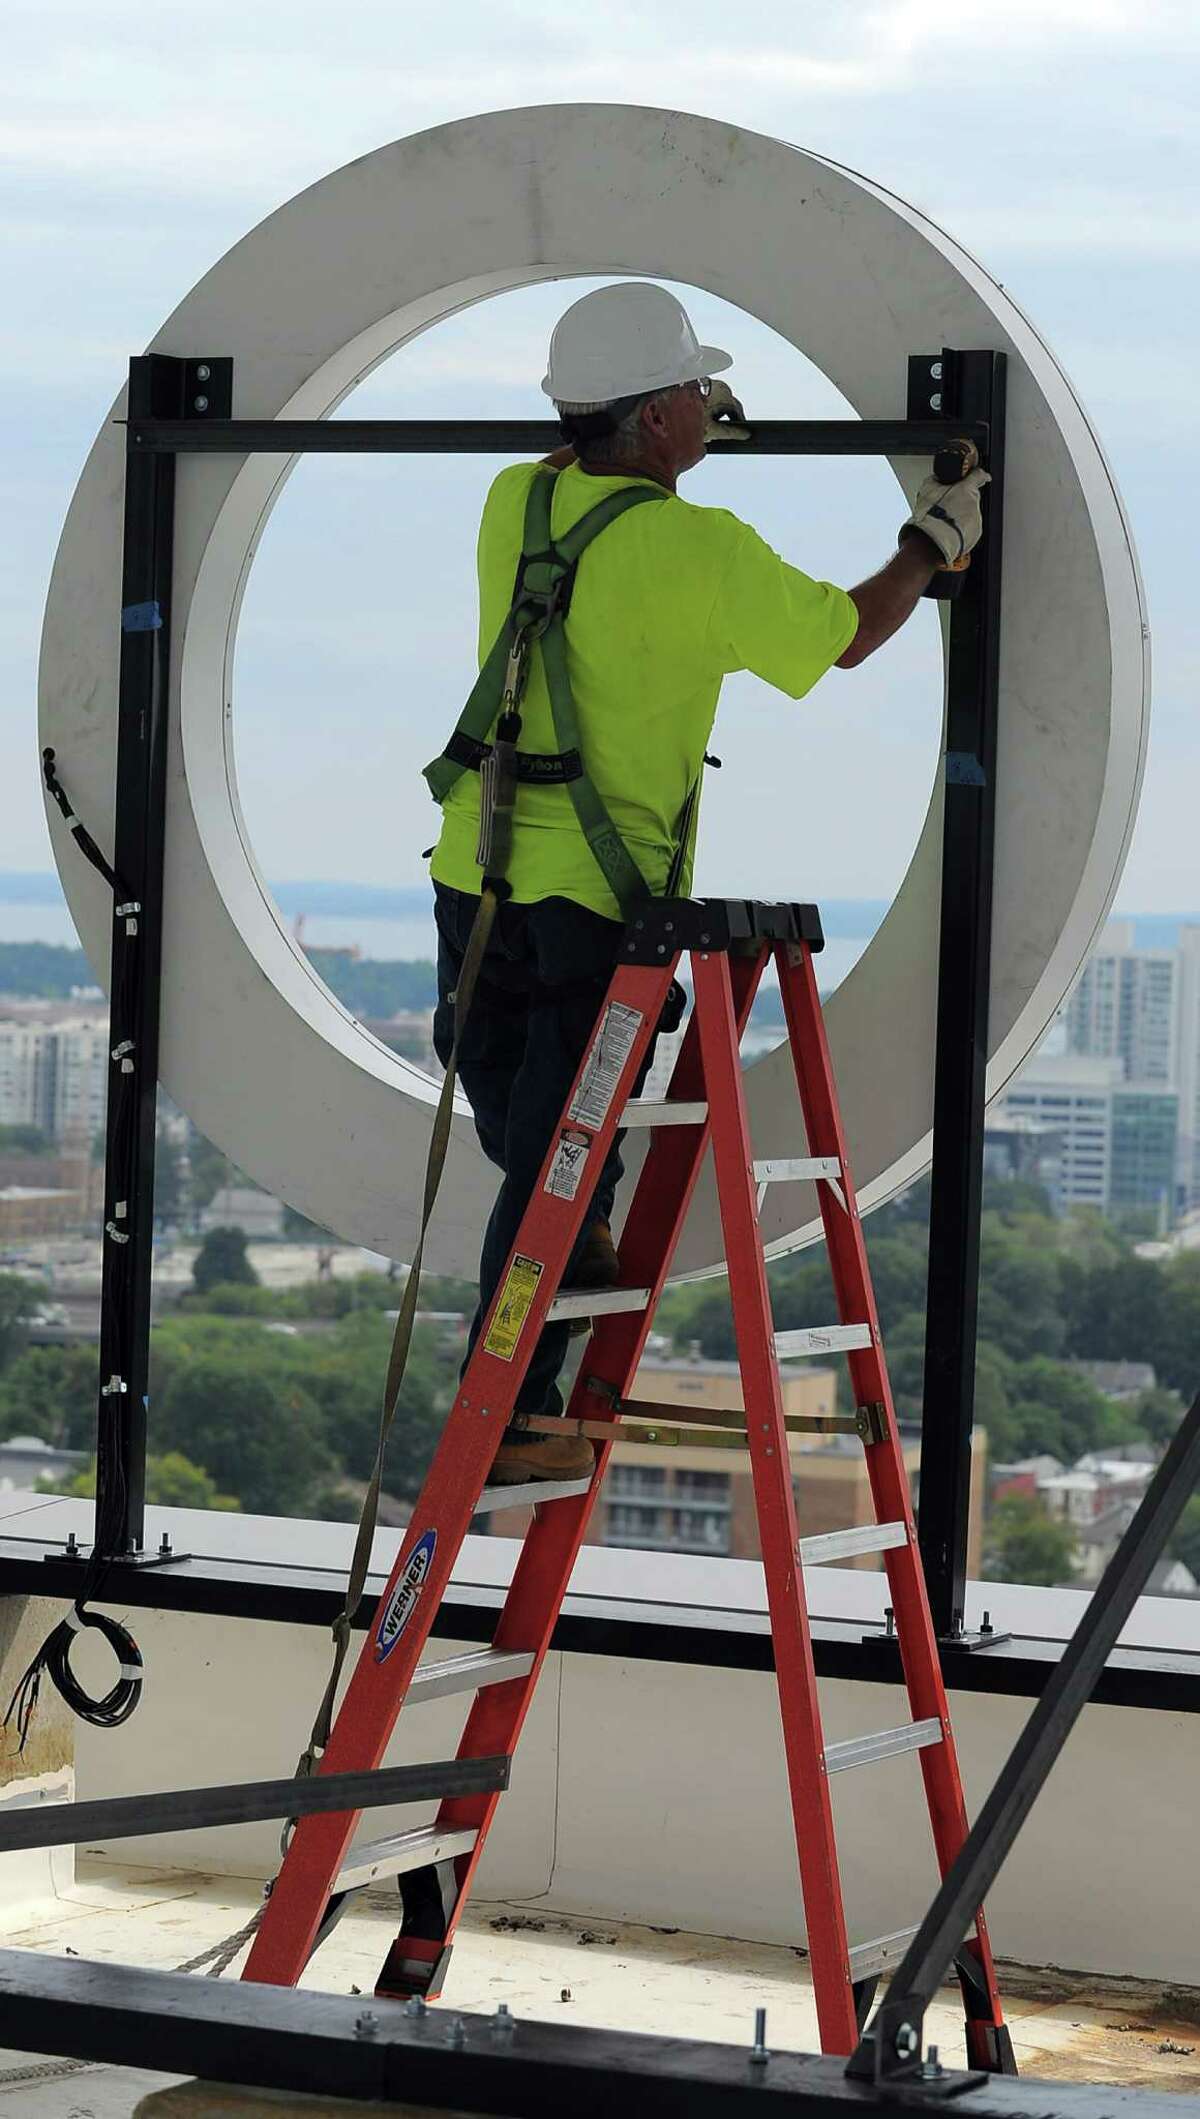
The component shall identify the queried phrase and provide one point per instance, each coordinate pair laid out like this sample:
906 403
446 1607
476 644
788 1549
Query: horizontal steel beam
247 1803
362 2049
522 437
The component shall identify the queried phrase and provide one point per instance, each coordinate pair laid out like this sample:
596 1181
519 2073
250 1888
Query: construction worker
669 598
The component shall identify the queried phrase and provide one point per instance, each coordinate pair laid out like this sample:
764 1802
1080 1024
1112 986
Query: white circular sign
254 1047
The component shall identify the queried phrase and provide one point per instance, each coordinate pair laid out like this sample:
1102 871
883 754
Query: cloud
1055 138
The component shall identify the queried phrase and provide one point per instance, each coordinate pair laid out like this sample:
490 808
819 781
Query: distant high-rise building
1144 1150
54 1076
1069 1099
1099 1140
1187 1074
1126 1007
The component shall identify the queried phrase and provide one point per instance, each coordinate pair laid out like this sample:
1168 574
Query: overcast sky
1057 139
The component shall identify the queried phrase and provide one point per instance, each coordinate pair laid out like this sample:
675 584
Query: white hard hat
625 341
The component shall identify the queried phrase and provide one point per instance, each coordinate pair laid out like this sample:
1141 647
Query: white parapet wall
655 1790
44 1772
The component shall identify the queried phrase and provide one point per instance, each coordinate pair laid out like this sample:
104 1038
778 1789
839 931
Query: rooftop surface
547 1967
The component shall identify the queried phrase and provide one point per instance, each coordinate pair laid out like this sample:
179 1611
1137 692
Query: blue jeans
542 981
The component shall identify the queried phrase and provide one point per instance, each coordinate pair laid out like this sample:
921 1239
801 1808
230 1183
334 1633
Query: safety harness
541 600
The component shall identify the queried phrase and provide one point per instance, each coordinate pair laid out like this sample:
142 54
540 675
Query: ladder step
822 1339
639 1114
868 1959
401 1851
600 1302
468 1673
864 1750
843 1544
527 1494
784 1172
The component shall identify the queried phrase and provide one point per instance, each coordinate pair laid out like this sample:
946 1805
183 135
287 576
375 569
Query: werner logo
402 1603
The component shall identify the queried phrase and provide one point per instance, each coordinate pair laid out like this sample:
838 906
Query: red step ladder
730 944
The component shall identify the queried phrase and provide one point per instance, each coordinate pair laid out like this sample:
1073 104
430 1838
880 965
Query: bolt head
905 2042
365 2025
935 402
935 369
200 404
203 372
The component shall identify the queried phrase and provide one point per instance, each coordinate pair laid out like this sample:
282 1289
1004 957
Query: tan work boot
597 1265
542 1457
596 1268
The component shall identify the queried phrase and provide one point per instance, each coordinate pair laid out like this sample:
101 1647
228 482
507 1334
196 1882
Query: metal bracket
870 1421
892 2054
141 1556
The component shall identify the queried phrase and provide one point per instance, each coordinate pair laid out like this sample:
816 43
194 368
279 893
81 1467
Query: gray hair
612 431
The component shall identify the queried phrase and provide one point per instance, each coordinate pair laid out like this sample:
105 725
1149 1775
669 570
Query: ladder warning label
566 1171
513 1307
611 1047
404 1598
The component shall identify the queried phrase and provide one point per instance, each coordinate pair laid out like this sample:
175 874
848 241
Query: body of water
406 936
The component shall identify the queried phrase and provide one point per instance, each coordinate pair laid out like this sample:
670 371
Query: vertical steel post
970 387
160 386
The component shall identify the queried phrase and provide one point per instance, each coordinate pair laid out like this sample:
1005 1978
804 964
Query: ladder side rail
770 1462
544 1566
868 1369
891 1494
442 1515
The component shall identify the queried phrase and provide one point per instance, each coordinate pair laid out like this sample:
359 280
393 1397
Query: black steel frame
182 407
892 2047
970 388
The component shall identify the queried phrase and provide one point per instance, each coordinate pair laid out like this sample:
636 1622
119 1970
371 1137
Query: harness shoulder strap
483 704
538 608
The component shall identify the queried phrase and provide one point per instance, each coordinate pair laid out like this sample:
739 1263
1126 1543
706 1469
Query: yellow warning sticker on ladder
513 1307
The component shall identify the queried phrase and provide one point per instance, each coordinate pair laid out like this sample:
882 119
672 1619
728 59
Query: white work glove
948 515
726 419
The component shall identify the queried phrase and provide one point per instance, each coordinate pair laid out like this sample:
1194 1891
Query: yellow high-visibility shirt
667 601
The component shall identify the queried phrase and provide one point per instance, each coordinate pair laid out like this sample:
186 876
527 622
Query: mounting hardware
415 2007
931 2067
114 1388
906 2041
759 2055
870 1422
366 2025
504 2023
889 1617
456 2033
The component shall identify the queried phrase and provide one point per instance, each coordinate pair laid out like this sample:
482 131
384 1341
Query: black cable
109 1709
53 1659
82 836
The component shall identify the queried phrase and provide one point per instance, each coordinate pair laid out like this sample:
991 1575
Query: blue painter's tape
964 770
141 618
